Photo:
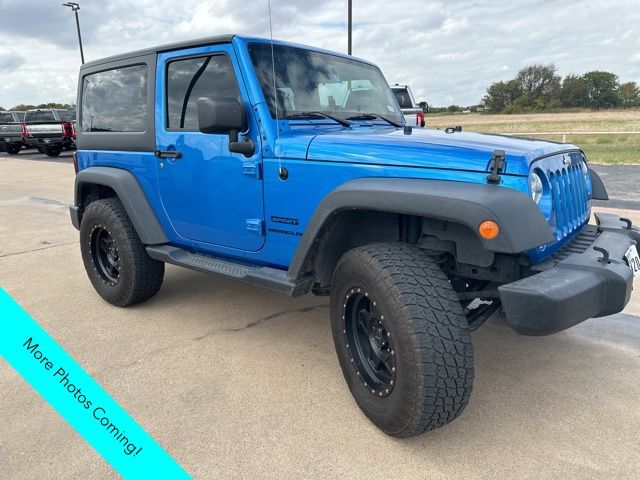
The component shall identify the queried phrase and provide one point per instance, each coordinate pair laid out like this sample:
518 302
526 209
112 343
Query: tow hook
627 222
605 254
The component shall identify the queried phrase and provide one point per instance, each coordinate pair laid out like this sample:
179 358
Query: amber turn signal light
488 229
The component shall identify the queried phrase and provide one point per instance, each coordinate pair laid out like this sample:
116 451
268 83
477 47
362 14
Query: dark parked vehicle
50 130
12 132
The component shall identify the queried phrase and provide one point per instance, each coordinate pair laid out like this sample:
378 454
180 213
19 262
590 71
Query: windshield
308 81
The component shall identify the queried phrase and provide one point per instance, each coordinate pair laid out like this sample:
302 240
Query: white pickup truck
50 130
413 114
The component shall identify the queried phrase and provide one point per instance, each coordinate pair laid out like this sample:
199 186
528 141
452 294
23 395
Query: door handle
167 154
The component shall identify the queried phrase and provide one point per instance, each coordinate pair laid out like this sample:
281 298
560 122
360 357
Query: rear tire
402 339
13 149
115 259
53 151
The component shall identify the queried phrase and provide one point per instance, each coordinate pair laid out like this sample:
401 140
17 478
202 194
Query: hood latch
496 166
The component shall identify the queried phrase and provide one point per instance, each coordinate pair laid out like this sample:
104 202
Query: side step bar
268 277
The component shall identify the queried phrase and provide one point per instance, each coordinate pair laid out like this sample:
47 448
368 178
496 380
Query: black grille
579 244
570 198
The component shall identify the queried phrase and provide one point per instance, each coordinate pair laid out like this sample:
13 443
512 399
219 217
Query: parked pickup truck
12 132
292 168
413 114
50 130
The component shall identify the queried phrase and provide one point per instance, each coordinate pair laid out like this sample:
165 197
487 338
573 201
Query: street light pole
75 7
349 22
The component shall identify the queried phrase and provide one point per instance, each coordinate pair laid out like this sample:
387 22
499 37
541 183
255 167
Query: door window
190 79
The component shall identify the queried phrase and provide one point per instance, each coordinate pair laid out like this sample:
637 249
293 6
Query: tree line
535 88
538 87
24 107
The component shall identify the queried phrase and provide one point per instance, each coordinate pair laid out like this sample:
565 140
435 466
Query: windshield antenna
281 171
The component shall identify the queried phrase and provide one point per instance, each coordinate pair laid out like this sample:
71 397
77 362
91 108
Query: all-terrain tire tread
145 274
445 370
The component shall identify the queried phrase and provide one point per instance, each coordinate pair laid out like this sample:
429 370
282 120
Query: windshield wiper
342 122
373 116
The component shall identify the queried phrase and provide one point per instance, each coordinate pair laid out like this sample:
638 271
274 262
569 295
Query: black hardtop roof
214 40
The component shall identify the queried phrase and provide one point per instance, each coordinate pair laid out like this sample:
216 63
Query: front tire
115 259
402 339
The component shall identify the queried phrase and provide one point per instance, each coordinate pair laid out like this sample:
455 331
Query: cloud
10 61
448 51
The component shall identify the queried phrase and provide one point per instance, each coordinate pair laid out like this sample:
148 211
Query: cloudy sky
449 51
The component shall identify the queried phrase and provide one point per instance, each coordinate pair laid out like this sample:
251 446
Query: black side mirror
424 106
225 115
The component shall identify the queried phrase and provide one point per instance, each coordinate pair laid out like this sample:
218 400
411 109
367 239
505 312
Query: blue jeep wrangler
291 168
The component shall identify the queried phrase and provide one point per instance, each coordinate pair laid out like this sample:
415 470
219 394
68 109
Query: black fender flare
598 190
130 193
522 224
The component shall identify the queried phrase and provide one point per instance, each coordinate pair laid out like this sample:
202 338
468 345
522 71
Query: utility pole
350 15
75 7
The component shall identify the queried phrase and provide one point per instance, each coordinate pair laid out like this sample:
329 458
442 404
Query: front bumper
577 287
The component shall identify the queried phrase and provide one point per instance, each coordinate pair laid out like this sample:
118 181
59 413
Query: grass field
604 148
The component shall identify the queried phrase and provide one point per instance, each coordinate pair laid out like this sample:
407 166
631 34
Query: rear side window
115 100
68 116
6 117
193 78
403 97
19 116
40 117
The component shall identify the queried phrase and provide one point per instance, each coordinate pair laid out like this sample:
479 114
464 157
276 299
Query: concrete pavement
622 182
239 382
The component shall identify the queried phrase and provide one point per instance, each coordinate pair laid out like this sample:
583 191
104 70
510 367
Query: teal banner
104 424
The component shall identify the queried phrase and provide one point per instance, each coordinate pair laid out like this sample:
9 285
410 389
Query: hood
423 148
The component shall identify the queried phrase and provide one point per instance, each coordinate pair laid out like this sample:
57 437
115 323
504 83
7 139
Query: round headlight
585 170
583 167
535 187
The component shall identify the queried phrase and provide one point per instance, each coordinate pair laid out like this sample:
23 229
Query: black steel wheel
369 341
401 337
106 257
115 259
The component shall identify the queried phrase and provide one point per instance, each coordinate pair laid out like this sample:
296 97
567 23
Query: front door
209 194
